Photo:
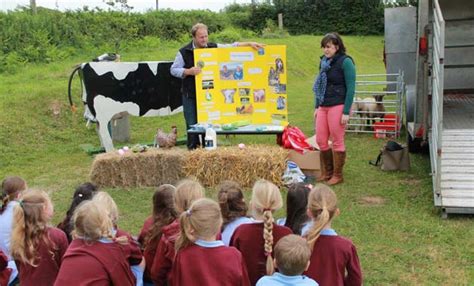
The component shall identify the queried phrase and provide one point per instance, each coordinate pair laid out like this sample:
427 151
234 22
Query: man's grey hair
197 27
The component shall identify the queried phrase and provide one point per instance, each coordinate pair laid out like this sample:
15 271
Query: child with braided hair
187 191
257 248
334 259
233 208
37 247
12 187
201 259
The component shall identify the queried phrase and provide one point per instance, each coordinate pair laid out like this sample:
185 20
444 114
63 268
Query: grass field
390 217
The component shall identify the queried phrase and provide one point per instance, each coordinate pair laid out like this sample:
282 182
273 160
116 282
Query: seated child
256 240
233 208
200 258
95 256
334 259
38 249
136 260
187 191
5 272
82 193
12 187
292 259
296 205
164 213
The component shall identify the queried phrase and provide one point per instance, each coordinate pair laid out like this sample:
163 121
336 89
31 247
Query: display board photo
242 83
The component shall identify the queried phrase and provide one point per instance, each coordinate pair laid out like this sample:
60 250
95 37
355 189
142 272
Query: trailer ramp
457 156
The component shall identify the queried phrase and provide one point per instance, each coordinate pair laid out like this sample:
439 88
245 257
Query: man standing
183 67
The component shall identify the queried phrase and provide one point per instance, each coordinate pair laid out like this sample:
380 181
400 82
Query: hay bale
151 168
159 166
241 165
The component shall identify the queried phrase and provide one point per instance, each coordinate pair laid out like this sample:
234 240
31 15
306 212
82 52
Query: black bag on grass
393 157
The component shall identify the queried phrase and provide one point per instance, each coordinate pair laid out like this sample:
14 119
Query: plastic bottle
210 140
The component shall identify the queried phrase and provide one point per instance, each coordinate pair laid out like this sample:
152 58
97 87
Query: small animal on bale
166 140
372 108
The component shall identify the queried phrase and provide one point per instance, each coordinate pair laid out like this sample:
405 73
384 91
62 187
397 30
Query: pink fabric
328 125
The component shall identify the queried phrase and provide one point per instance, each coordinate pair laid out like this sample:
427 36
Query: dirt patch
412 182
372 201
415 190
55 108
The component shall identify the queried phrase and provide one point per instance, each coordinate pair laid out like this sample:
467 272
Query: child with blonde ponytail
200 258
37 247
187 191
334 259
256 240
12 187
95 256
136 260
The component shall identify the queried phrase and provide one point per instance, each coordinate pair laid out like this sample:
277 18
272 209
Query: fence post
280 21
33 6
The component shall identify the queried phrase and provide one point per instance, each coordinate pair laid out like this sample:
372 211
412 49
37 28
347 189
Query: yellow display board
242 84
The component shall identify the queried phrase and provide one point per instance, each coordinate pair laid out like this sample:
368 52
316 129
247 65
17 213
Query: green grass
401 239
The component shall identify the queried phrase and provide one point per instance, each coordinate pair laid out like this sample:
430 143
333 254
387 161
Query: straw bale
241 165
151 168
159 166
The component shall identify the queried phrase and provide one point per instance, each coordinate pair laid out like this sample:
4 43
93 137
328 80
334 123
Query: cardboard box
308 162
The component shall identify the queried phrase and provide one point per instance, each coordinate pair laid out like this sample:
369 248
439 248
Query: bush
50 35
250 16
272 31
362 17
11 62
228 35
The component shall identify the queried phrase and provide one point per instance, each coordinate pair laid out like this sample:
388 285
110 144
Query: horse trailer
434 45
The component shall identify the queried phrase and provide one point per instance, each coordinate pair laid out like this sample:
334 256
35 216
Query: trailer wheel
414 144
410 101
417 145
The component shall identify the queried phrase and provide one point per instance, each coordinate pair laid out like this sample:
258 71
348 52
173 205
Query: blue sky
139 5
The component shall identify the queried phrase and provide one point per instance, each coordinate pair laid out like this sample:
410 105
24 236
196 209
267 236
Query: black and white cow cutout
139 88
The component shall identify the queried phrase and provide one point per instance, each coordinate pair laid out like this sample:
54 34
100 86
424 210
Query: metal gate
366 116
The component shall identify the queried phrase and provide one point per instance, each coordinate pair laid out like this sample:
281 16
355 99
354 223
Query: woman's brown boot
339 160
326 165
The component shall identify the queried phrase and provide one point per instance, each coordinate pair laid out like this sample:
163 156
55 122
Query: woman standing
334 91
